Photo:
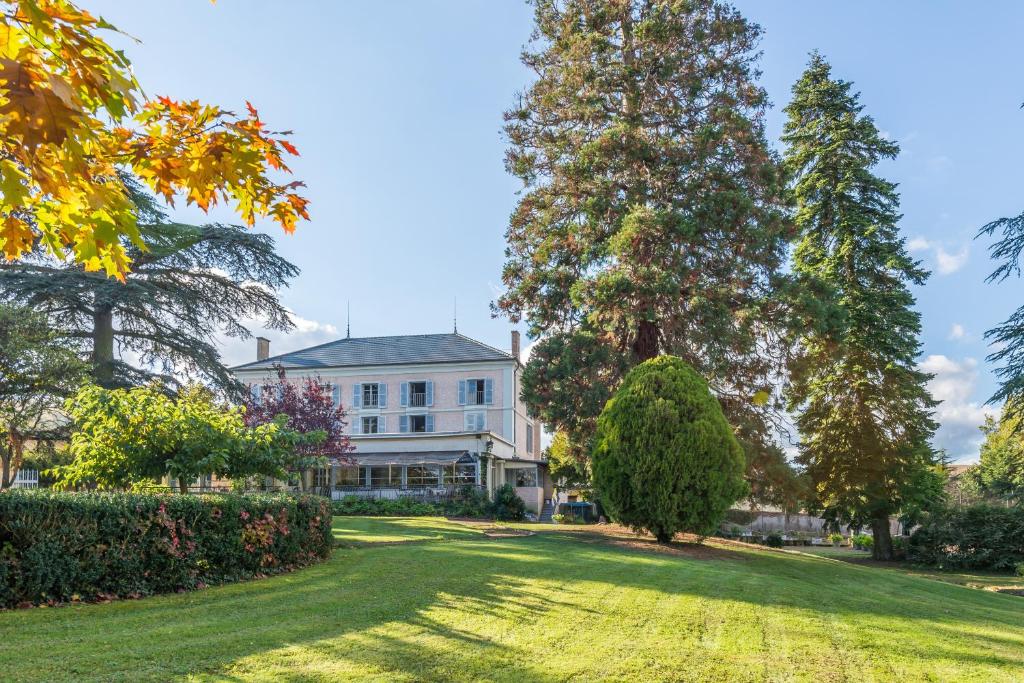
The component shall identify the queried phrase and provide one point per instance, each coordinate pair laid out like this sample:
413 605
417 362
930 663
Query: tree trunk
103 345
182 485
881 547
13 456
645 346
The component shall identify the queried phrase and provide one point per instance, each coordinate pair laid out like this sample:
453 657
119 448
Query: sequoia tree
653 213
72 116
864 413
191 282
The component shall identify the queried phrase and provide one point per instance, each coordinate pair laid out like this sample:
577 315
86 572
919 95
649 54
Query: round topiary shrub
665 460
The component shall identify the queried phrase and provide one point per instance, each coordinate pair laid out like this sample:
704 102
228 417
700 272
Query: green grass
564 604
359 531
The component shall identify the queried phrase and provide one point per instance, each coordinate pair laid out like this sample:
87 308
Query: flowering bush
56 547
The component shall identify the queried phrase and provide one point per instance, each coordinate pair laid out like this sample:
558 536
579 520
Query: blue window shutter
356 424
403 423
280 391
403 394
336 394
430 423
482 422
381 425
382 395
256 391
488 391
357 395
462 392
430 393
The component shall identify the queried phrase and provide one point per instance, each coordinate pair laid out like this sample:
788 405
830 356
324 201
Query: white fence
26 479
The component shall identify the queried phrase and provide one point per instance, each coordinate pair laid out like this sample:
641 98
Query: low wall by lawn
57 547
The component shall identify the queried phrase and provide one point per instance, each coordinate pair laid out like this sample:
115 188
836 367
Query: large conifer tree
652 219
191 282
864 412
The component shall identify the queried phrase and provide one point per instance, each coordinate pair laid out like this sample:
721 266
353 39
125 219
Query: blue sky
396 109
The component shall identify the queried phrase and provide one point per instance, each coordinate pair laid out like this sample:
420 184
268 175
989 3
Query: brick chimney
515 344
262 348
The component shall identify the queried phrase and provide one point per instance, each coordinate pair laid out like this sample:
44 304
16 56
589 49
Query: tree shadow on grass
480 609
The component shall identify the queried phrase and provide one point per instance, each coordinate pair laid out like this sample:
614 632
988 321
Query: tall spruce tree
1007 338
864 411
191 282
652 219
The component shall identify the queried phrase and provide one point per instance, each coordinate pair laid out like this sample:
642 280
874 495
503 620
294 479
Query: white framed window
348 475
476 392
413 424
525 477
420 394
418 476
460 474
370 424
370 395
475 421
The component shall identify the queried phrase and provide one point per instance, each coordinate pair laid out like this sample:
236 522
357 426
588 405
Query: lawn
564 604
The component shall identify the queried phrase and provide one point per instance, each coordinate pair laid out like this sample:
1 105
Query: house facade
426 413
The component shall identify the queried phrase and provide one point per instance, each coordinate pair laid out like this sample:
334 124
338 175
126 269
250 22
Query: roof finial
348 320
455 314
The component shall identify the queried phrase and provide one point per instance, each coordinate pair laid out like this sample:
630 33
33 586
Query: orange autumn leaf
72 116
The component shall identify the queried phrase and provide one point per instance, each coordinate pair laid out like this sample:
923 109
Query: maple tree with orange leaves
73 118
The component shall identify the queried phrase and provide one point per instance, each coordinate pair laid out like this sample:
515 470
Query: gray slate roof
413 349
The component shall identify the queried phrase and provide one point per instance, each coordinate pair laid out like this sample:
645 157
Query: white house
425 412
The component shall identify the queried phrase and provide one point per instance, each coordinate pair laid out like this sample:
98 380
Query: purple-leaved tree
309 406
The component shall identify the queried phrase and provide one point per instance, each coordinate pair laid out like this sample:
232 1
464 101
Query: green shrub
508 506
469 502
55 546
665 459
975 537
835 538
385 507
862 541
773 541
1019 569
558 518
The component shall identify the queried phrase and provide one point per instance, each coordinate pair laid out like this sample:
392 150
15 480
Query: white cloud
957 331
306 333
950 263
960 414
946 262
919 244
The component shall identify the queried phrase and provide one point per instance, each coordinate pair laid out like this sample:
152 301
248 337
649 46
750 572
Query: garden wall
56 547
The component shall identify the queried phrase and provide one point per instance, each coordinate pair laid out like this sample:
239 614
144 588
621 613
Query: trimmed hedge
56 547
975 537
470 503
